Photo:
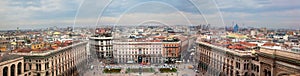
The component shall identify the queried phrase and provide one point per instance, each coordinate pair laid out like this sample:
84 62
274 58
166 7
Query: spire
236 28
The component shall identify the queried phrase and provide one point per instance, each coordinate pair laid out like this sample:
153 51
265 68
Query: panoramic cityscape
149 38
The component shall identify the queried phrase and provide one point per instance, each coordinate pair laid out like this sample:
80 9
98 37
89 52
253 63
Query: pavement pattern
182 70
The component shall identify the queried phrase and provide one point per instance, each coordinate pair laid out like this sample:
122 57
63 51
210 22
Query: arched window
24 65
237 73
47 74
19 68
267 72
12 70
252 74
231 73
246 74
5 71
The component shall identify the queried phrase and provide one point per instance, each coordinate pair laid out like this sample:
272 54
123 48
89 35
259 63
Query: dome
56 33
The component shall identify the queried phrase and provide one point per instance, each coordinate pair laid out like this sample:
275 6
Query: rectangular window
237 65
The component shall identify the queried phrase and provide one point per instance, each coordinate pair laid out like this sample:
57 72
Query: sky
28 14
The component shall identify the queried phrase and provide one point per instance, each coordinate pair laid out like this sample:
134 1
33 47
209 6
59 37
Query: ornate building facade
102 46
220 61
279 62
215 61
65 61
171 51
13 66
138 52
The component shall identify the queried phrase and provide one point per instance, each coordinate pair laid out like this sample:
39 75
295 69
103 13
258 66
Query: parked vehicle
190 66
92 67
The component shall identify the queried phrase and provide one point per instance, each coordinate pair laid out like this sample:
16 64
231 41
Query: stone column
1 70
8 70
272 70
16 70
43 67
242 63
22 67
33 66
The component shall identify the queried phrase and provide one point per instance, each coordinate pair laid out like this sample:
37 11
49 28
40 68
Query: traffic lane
186 55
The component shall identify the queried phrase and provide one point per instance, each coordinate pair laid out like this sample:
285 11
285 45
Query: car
107 67
192 53
102 66
190 66
197 71
192 50
92 67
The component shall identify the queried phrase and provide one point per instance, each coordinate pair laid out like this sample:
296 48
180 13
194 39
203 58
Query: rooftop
6 56
41 52
231 49
102 35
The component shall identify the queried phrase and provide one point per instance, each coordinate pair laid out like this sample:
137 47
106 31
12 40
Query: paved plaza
182 70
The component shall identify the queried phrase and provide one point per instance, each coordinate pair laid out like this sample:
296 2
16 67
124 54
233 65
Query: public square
182 70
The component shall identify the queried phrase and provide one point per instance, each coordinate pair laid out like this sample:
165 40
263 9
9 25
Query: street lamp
109 71
140 72
129 69
171 70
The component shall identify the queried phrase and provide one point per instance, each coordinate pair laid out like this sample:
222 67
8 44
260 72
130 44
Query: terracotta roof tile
270 44
248 44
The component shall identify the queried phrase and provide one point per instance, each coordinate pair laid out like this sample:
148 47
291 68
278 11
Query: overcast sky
246 13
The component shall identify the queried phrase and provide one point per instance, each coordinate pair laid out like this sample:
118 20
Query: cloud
175 18
257 6
33 12
23 13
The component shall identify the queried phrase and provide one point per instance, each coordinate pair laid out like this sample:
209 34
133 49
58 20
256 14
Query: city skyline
246 13
158 50
149 38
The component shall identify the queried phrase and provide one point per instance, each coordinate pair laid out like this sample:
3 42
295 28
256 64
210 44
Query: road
186 55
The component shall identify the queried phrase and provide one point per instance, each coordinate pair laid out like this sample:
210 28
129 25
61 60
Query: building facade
278 62
171 51
219 61
65 61
138 52
13 66
102 46
4 45
266 61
